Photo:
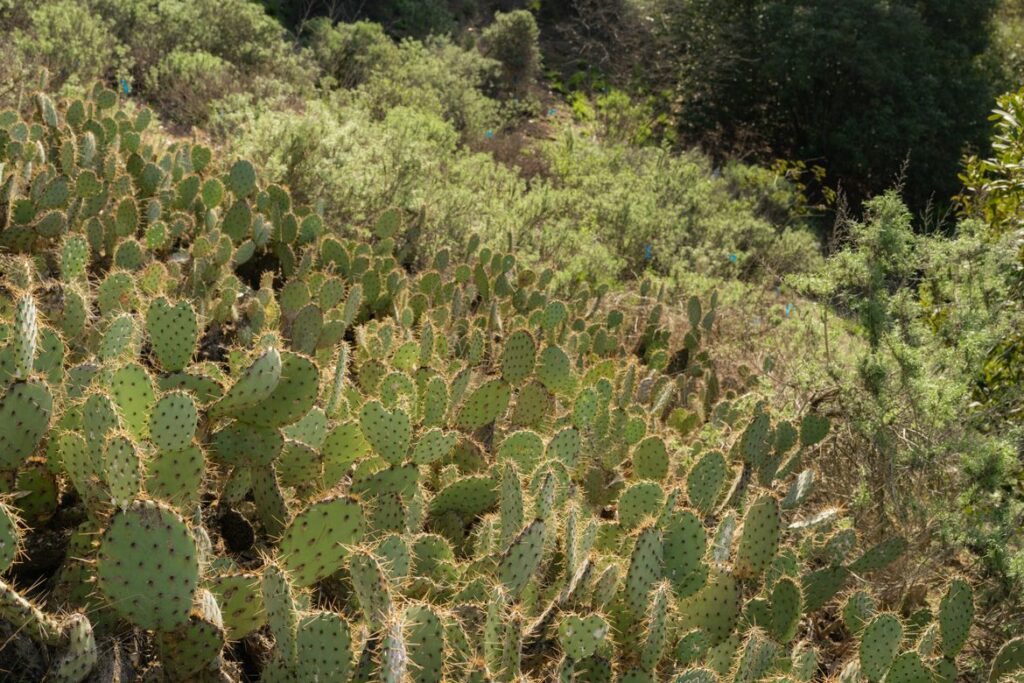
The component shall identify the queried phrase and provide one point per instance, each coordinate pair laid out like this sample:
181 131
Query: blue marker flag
489 133
648 252
732 258
552 111
125 87
789 307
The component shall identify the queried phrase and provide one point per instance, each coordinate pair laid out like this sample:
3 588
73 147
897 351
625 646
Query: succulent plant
383 471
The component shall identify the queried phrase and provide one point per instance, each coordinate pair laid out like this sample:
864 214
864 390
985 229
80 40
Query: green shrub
348 54
71 41
185 82
512 39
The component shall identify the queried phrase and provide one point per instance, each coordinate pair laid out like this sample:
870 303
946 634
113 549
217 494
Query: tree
865 87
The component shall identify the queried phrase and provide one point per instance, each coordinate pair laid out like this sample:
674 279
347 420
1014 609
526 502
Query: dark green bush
512 39
862 87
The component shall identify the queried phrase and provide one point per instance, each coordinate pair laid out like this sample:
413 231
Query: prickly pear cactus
259 435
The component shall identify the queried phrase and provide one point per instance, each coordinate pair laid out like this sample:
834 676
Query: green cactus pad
401 480
580 637
762 527
658 627
879 644
148 566
650 459
324 647
282 613
371 587
880 556
555 371
705 480
956 612
25 335
424 637
786 609
24 418
316 542
518 564
173 332
485 405
821 585
131 387
432 446
256 384
195 646
78 656
524 448
241 603
533 406
639 502
685 542
645 570
176 477
858 609
715 609
240 444
299 466
518 357
292 396
1009 660
173 421
10 537
343 446
813 428
908 668
468 498
387 432
564 447
122 469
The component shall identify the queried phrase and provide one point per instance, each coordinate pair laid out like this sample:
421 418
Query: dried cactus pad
315 543
148 566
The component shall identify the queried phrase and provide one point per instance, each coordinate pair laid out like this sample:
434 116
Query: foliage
861 87
994 193
381 469
69 40
512 40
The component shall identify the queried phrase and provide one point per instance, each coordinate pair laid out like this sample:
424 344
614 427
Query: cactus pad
762 528
879 644
173 332
485 405
518 357
650 459
956 612
291 397
315 543
580 637
24 418
424 637
324 645
256 384
241 603
704 482
715 609
78 656
387 432
522 558
149 566
639 502
173 421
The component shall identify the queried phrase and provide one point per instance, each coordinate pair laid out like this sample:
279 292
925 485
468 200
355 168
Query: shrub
348 54
185 82
71 41
512 39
